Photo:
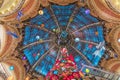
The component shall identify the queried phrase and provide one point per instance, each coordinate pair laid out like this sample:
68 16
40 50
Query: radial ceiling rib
94 70
53 16
35 43
90 67
58 55
89 25
89 42
39 60
72 17
81 55
38 27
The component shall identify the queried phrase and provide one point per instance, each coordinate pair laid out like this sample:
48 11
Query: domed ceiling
75 29
39 35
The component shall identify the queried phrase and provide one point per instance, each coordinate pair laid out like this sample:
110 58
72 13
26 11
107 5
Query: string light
87 70
41 12
77 39
13 4
10 78
117 2
87 11
3 12
37 37
11 67
119 40
27 78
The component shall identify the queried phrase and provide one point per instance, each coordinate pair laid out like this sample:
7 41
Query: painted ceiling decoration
114 4
8 7
59 40
27 7
102 9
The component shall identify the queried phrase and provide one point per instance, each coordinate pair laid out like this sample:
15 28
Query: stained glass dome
68 26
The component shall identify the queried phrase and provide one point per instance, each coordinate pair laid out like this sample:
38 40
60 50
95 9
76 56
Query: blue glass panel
63 13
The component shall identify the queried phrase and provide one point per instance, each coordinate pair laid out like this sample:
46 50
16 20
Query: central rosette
63 38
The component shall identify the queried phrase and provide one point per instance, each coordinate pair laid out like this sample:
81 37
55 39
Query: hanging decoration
19 15
12 34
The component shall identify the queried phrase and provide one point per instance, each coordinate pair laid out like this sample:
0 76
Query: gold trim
111 7
15 10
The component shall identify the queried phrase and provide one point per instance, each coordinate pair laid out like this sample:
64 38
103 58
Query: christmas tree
64 68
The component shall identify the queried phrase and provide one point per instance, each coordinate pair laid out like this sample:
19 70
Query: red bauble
57 61
67 65
76 74
90 46
71 57
66 78
71 77
54 77
34 55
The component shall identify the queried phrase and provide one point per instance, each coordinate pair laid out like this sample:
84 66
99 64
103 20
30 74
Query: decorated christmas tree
64 68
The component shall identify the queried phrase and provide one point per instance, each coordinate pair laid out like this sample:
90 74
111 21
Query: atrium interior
60 40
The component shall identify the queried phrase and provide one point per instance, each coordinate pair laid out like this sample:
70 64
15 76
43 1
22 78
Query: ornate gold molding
100 9
112 65
29 9
62 2
14 6
11 42
46 3
19 70
114 4
113 38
